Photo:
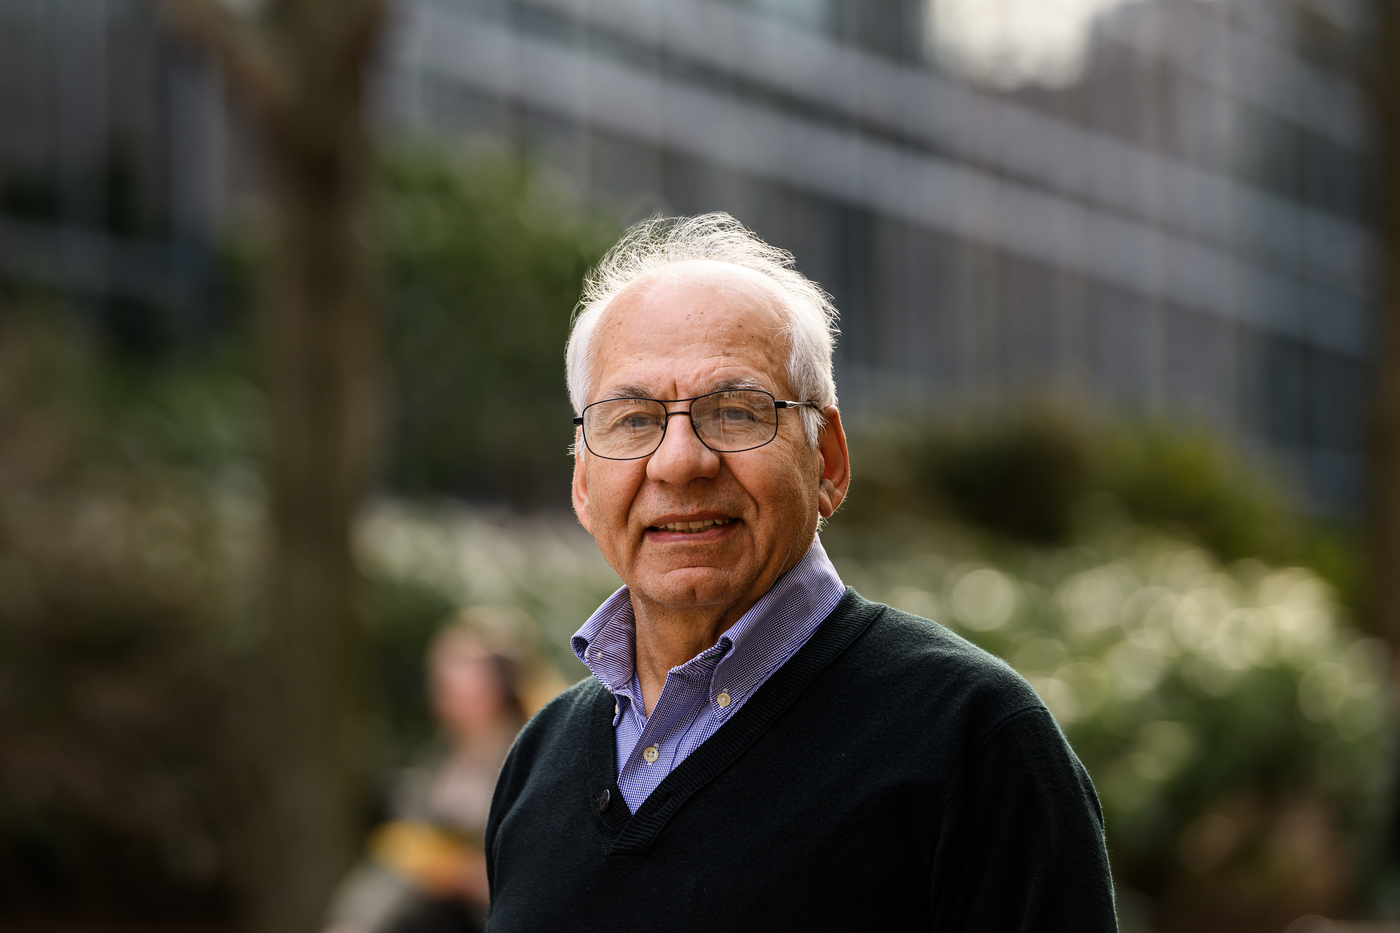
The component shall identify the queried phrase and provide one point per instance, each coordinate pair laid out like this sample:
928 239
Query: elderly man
759 747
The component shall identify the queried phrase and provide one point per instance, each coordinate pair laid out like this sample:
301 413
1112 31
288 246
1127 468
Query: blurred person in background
426 871
759 746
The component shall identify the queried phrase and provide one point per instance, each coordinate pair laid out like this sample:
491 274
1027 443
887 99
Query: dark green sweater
890 776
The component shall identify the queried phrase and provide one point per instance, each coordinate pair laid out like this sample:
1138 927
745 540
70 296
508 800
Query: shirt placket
683 696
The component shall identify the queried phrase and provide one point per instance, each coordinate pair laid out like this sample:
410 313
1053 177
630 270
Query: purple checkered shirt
700 695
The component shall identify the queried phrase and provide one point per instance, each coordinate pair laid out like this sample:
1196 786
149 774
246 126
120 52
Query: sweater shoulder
921 664
559 733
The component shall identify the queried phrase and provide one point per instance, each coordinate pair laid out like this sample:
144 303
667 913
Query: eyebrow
632 390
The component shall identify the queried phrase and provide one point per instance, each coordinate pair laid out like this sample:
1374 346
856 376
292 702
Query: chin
692 588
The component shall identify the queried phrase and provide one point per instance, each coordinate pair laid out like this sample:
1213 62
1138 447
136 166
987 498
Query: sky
1009 43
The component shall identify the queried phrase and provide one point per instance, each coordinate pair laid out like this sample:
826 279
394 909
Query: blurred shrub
121 593
119 772
1028 476
544 565
1020 478
485 263
1187 481
402 616
1238 732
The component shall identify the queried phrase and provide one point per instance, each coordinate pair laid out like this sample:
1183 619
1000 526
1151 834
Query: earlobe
829 498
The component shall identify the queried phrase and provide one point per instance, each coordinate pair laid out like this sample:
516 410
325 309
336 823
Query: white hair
809 317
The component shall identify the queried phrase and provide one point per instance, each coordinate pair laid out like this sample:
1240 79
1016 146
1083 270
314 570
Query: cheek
610 494
788 492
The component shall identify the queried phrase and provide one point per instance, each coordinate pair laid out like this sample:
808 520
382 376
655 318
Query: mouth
691 527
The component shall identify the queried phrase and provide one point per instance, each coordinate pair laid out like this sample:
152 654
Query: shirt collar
606 641
751 649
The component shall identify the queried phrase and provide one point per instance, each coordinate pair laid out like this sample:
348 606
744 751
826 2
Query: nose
681 457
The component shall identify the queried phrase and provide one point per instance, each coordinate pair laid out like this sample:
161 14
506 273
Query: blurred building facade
113 163
1179 227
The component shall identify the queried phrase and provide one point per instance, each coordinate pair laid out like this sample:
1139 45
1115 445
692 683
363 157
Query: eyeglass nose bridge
694 425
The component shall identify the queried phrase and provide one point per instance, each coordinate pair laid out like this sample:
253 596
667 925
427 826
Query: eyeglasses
726 422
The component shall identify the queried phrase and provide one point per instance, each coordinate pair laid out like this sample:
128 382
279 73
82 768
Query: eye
635 420
735 415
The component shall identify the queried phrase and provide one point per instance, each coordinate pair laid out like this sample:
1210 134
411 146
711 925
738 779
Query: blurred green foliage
123 599
484 264
401 617
1028 477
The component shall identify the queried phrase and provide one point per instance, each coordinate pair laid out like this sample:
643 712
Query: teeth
695 526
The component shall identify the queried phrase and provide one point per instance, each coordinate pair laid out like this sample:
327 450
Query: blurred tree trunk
1380 70
1384 87
299 68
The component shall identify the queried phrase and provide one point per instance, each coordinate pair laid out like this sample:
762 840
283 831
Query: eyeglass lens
629 428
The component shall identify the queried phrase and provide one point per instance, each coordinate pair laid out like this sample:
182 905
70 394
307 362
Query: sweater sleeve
1021 846
507 786
515 771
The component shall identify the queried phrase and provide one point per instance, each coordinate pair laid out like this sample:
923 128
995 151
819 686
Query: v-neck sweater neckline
630 833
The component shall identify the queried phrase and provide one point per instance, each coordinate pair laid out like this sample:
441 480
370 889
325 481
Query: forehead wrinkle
633 390
740 290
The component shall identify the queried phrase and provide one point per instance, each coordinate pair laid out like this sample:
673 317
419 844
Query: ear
580 484
835 464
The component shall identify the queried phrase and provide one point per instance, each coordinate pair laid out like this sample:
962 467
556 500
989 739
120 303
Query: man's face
695 328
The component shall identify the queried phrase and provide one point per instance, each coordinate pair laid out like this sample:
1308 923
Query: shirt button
604 799
616 709
723 700
650 754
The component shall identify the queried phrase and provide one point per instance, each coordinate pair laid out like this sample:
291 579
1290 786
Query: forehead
688 328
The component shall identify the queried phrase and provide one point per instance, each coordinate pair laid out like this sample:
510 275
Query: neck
668 637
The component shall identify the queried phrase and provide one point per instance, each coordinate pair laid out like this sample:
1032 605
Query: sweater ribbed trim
626 833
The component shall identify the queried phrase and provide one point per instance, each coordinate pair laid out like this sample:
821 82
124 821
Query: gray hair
809 317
